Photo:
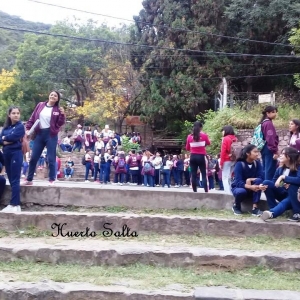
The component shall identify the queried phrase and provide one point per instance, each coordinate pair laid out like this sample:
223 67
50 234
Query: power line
143 45
168 27
162 78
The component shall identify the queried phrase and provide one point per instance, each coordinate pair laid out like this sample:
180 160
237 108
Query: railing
167 142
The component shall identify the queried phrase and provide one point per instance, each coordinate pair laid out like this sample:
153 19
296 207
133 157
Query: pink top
197 147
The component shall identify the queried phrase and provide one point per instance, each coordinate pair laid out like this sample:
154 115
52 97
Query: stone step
151 224
96 253
49 290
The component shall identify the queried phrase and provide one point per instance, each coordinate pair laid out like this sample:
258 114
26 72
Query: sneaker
86 181
23 176
18 208
66 176
8 208
236 211
185 185
256 212
157 185
51 182
177 186
266 215
26 183
121 183
295 218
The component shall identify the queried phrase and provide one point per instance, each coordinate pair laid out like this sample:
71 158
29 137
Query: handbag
25 144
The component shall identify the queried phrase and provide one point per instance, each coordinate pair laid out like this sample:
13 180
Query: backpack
236 149
121 163
147 168
83 161
258 137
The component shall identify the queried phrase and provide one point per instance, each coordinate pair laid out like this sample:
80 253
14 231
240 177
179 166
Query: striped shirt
197 147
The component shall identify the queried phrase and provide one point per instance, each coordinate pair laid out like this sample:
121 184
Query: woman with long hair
51 117
11 139
196 143
225 161
289 159
294 128
248 178
269 152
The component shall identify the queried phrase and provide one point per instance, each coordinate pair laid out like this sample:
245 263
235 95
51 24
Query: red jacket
226 148
197 147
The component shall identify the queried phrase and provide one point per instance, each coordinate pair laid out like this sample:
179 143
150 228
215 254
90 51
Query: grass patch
148 277
217 242
196 212
3 233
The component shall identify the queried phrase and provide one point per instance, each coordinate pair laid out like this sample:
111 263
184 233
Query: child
248 180
291 181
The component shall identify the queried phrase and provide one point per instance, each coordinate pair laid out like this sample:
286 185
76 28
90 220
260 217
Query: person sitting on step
248 178
69 168
290 159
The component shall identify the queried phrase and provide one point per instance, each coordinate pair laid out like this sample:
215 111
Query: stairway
76 241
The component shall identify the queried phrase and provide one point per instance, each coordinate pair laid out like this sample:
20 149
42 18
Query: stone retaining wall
245 136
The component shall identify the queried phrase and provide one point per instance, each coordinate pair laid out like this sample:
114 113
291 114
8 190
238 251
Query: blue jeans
187 177
272 193
102 173
148 180
286 204
269 164
71 171
178 176
2 185
134 176
25 167
211 182
41 162
66 148
156 176
77 145
240 194
107 172
13 161
87 169
166 177
42 140
96 170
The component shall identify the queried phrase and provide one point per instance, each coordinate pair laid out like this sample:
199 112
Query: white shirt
66 141
157 161
45 117
99 145
96 159
168 165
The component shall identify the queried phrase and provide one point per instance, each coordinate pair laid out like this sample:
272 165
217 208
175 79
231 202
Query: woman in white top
157 162
167 166
77 136
51 117
97 166
294 128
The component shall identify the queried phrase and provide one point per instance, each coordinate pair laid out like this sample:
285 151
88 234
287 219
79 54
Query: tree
295 41
178 84
7 79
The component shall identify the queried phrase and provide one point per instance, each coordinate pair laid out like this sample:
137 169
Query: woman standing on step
196 143
248 178
294 128
289 158
11 139
226 164
51 117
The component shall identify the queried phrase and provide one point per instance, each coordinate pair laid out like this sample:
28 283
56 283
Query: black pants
198 161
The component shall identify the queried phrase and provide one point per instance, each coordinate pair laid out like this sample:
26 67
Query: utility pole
225 93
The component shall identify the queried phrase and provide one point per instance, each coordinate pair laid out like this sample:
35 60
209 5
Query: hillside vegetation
11 40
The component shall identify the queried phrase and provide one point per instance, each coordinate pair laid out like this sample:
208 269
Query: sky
36 12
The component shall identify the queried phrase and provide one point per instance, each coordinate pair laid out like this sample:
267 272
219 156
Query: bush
238 118
127 145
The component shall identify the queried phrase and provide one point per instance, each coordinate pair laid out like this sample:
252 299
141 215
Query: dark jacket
294 181
57 119
270 136
14 134
242 172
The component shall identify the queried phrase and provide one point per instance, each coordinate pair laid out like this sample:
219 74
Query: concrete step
150 223
49 290
96 253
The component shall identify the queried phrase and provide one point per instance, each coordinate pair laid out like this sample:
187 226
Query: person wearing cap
77 136
52 118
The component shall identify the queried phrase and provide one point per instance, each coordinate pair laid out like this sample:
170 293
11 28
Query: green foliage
127 145
173 81
295 40
238 118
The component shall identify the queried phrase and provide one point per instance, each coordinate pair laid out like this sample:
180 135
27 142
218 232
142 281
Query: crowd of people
242 171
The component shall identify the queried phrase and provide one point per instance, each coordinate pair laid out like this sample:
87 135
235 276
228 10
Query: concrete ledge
95 195
150 223
222 293
49 290
96 253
